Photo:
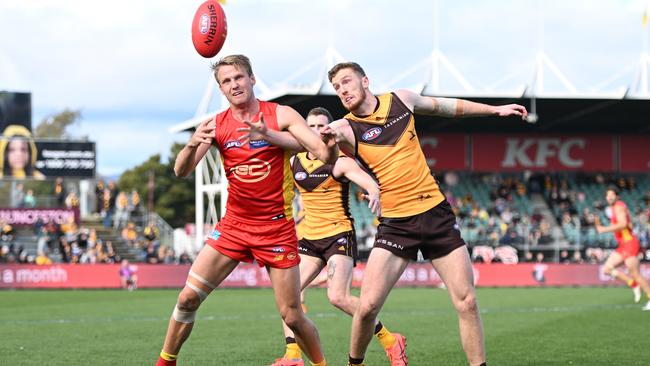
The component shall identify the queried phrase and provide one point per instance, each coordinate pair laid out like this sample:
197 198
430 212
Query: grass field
553 326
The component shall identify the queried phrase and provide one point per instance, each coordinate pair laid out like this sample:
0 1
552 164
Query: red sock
163 362
633 284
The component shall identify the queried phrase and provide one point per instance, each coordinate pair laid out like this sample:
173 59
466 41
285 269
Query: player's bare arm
621 221
457 108
195 149
259 131
350 169
323 147
343 135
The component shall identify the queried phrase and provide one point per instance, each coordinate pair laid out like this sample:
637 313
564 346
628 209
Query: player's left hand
511 110
254 131
374 203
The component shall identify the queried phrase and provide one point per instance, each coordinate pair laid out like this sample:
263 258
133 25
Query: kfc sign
538 152
634 153
444 151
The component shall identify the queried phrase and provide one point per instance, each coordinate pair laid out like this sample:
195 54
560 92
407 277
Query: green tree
54 126
173 196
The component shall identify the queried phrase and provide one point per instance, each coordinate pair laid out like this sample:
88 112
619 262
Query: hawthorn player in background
258 223
415 214
328 236
628 247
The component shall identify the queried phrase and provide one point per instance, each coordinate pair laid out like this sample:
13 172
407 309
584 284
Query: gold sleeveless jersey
389 149
325 199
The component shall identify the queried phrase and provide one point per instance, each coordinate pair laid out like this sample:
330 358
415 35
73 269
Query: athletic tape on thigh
202 294
202 280
183 316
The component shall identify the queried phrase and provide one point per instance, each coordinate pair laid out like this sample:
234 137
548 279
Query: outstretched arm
457 108
350 169
195 149
323 147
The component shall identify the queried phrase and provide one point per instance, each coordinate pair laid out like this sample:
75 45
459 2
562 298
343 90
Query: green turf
572 326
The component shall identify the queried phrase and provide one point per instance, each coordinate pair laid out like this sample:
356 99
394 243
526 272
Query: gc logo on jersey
300 176
252 171
371 134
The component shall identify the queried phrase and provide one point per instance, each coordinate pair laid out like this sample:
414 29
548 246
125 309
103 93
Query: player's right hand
204 133
374 203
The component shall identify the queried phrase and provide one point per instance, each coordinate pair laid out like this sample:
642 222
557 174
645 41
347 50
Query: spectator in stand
72 201
7 234
113 190
128 277
82 238
29 201
539 258
121 211
151 256
107 208
162 253
99 196
59 192
151 233
564 257
184 259
577 257
18 196
129 234
111 256
587 219
170 256
135 203
43 258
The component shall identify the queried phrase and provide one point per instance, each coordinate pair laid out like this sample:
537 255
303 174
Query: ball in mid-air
209 28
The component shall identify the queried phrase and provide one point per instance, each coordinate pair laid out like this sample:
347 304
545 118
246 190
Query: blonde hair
233 60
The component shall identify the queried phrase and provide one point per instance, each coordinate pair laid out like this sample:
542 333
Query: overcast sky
131 68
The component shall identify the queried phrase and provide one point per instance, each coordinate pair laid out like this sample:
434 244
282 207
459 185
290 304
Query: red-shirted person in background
258 223
628 247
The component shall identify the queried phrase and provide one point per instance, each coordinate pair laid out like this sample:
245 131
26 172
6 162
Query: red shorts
274 244
630 248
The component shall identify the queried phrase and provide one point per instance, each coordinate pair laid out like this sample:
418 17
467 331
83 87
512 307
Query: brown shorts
344 243
434 233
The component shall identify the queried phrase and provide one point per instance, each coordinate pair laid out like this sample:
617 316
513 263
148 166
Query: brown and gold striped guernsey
325 199
388 147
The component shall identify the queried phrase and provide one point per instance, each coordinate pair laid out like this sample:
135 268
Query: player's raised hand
204 133
254 131
329 136
374 203
511 110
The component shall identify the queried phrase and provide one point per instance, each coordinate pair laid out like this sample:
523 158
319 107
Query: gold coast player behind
628 247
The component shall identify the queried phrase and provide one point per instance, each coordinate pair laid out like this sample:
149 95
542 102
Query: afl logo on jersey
371 134
252 171
300 176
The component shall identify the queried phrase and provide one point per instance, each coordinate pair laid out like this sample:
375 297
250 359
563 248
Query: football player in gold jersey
328 237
